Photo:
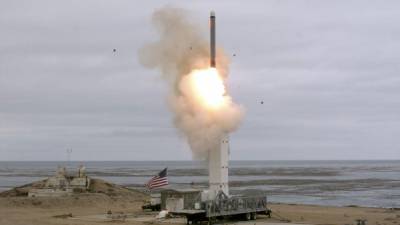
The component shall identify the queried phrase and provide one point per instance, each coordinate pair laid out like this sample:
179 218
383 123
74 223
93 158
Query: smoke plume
180 51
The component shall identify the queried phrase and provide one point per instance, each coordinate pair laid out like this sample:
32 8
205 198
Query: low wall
47 192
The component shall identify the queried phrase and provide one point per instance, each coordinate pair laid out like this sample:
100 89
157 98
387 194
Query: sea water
337 183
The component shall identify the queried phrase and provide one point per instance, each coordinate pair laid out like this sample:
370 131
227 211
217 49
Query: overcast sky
327 73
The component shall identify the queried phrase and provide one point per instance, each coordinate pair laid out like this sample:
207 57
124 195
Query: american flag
159 180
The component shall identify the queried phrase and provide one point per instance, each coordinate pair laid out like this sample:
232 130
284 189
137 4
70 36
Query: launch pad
216 202
218 169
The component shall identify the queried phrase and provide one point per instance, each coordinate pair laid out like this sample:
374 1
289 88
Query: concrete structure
49 192
63 180
218 168
63 184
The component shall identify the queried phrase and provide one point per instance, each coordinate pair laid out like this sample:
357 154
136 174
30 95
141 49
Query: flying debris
114 50
262 102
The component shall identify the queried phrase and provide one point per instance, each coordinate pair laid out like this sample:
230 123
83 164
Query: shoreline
91 208
141 190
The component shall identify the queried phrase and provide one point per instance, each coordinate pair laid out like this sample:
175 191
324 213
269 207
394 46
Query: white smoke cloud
181 49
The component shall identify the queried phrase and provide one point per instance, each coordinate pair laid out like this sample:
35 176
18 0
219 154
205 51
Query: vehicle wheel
247 216
268 213
253 216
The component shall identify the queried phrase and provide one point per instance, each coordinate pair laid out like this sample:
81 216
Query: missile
212 39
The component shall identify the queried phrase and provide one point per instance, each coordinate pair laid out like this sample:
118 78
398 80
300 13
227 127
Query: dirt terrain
107 203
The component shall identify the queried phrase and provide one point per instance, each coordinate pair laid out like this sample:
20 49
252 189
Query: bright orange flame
208 87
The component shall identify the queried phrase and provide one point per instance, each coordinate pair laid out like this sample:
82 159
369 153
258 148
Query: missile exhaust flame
203 110
208 87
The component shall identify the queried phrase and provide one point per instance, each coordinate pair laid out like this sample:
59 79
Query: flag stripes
159 180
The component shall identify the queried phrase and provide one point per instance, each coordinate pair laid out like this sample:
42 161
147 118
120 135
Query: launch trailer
216 202
244 207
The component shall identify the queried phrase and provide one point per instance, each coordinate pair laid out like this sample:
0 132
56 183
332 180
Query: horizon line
187 160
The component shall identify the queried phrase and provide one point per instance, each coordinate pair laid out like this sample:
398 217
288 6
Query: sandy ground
87 209
336 215
103 198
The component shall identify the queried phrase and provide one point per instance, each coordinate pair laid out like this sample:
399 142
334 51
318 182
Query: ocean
335 183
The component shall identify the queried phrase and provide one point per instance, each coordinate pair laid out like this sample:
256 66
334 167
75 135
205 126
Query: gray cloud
327 73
